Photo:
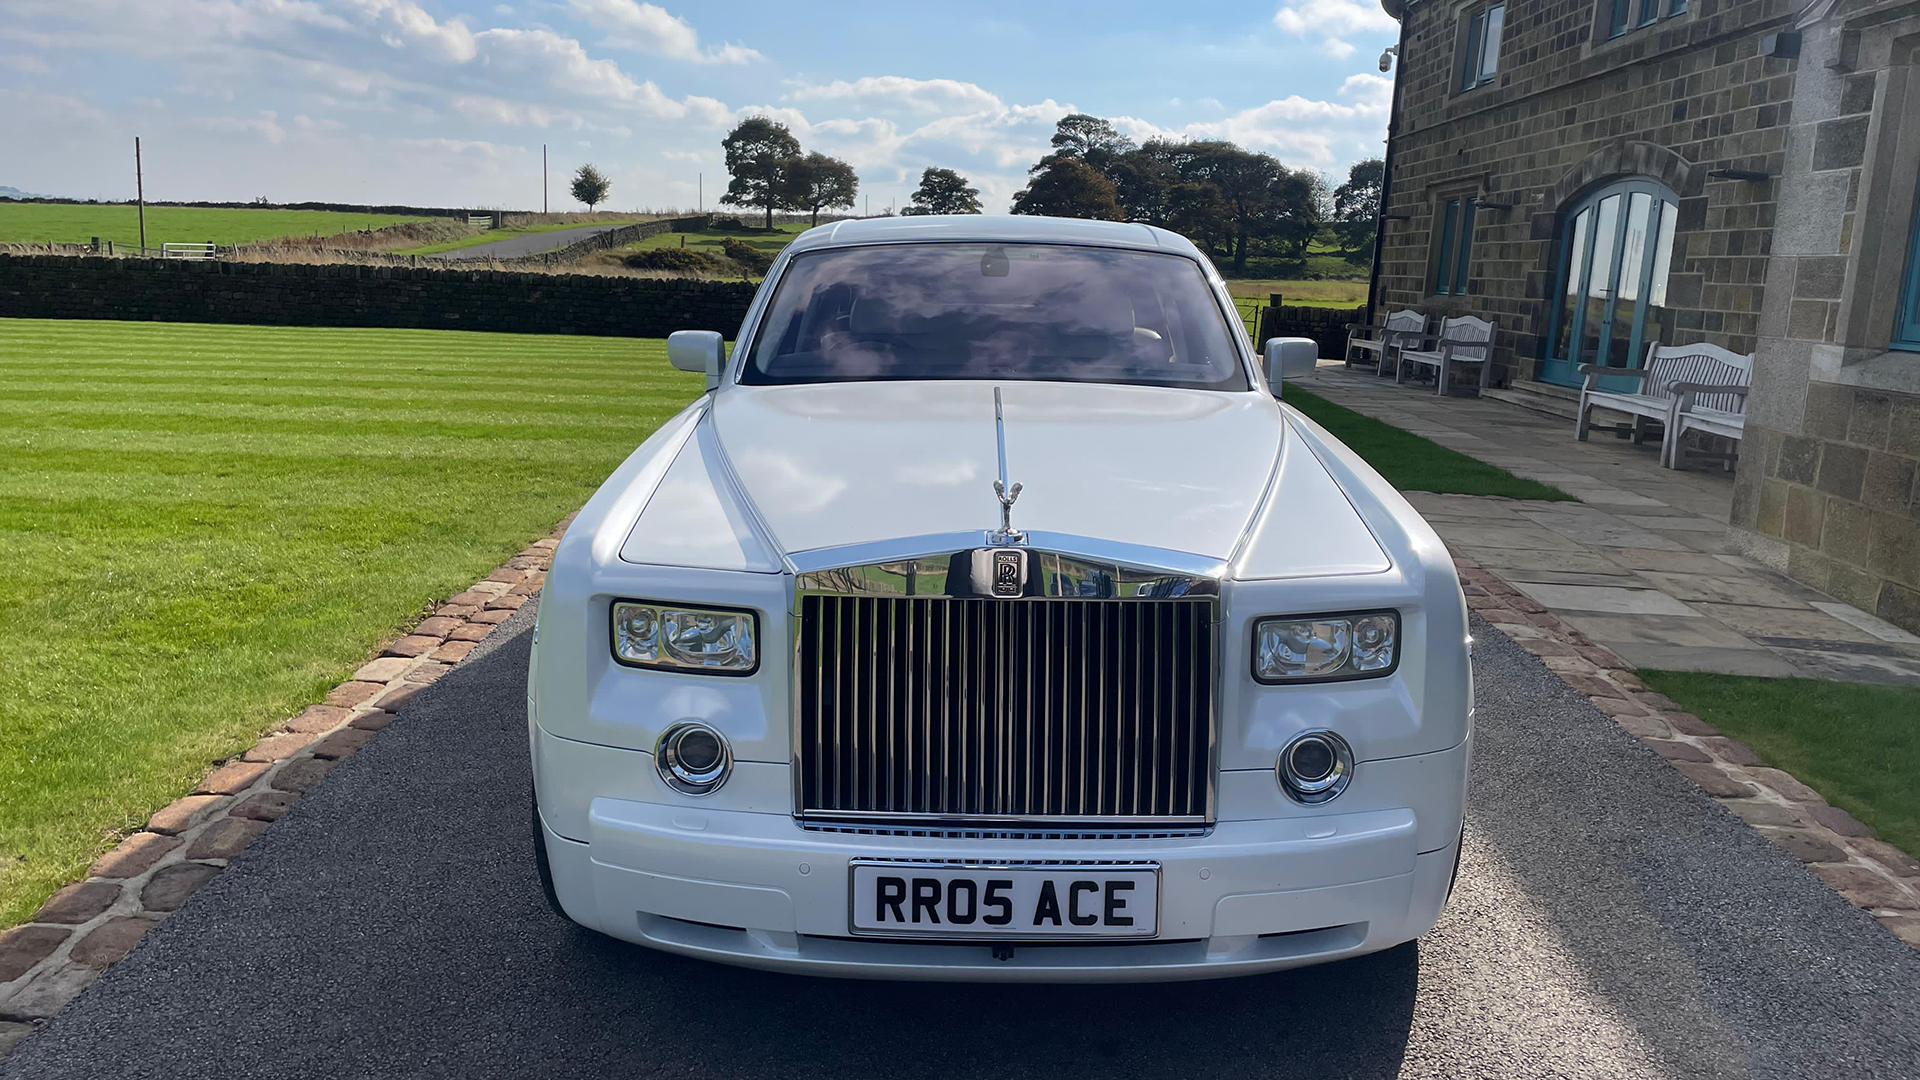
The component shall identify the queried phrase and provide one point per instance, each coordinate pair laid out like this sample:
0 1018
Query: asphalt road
1610 922
514 247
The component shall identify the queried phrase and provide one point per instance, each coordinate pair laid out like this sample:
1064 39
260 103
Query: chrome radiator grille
1028 710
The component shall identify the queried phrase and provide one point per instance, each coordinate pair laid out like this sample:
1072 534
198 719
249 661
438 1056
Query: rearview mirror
1290 358
697 350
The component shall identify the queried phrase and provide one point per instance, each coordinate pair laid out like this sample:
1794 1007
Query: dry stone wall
280 294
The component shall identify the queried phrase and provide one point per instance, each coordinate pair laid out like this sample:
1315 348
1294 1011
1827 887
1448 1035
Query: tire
540 862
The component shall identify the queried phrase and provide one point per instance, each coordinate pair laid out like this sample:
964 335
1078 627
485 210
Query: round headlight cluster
693 758
1314 767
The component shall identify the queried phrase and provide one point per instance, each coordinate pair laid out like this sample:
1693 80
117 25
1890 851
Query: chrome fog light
693 758
1314 767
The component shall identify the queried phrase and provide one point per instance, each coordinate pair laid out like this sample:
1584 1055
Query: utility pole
543 178
140 194
700 193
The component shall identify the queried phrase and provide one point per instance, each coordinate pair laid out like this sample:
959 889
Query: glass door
1610 297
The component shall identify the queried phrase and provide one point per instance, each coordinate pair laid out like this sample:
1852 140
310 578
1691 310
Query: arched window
1610 300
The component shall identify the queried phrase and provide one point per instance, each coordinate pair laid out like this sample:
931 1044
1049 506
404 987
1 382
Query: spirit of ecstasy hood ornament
1007 534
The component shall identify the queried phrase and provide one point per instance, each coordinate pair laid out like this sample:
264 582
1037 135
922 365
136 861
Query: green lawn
1855 743
208 526
712 242
62 223
1412 463
491 235
1343 294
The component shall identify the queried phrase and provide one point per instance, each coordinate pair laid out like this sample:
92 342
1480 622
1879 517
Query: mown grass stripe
207 526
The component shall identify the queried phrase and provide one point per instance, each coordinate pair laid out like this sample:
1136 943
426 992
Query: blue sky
447 102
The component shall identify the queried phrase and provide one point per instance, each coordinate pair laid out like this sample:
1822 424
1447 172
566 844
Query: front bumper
752 887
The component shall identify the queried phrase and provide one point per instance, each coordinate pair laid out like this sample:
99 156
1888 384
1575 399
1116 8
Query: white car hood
827 465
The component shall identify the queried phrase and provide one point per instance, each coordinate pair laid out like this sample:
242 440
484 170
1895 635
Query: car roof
1002 228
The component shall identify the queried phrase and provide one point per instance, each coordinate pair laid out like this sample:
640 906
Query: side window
1455 247
1627 15
1906 327
1481 61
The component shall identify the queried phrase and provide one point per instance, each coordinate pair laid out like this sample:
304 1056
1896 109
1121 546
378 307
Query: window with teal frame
1455 249
1480 61
1906 330
1624 16
1610 295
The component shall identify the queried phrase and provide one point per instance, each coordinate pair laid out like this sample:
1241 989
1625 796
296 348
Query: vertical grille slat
1029 709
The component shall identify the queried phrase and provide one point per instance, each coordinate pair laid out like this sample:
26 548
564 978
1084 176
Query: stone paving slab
91 924
1642 564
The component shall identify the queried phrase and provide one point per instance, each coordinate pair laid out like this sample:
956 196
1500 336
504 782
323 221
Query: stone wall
1571 109
613 238
1829 483
1326 326
57 287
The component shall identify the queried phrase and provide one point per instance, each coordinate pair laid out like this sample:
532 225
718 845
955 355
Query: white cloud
1298 130
1335 17
29 65
916 95
265 125
1333 20
648 28
1372 91
402 24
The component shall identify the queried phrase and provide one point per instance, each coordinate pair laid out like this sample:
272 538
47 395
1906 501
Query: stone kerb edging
91 924
1871 873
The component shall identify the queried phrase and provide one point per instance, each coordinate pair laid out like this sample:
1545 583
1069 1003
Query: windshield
995 311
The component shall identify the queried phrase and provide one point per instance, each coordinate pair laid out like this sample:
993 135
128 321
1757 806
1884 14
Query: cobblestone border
91 924
1871 873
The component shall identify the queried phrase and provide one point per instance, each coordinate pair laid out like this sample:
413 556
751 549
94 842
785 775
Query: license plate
924 900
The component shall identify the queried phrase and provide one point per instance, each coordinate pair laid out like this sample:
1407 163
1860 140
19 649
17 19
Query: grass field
712 242
491 235
62 223
1307 293
209 526
1412 463
1855 743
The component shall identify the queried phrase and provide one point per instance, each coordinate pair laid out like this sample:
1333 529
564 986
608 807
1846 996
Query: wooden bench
1461 340
1697 387
1381 340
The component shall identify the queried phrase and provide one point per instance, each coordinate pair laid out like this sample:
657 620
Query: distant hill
15 193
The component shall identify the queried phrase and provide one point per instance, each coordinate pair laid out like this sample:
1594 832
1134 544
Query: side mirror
698 350
1290 358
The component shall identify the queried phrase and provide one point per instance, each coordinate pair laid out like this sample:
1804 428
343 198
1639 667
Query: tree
1069 187
1087 138
1260 198
817 182
759 153
1356 204
1145 178
590 187
943 191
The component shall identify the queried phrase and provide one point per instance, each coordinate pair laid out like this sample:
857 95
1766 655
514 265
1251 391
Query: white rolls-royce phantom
990 618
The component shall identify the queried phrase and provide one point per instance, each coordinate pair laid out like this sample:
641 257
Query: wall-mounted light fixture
1752 176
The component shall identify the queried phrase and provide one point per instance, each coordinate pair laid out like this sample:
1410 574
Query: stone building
1827 488
1600 175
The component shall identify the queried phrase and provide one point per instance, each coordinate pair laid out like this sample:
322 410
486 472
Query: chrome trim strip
974 819
1136 558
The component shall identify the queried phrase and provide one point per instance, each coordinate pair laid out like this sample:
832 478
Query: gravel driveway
513 247
1611 921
